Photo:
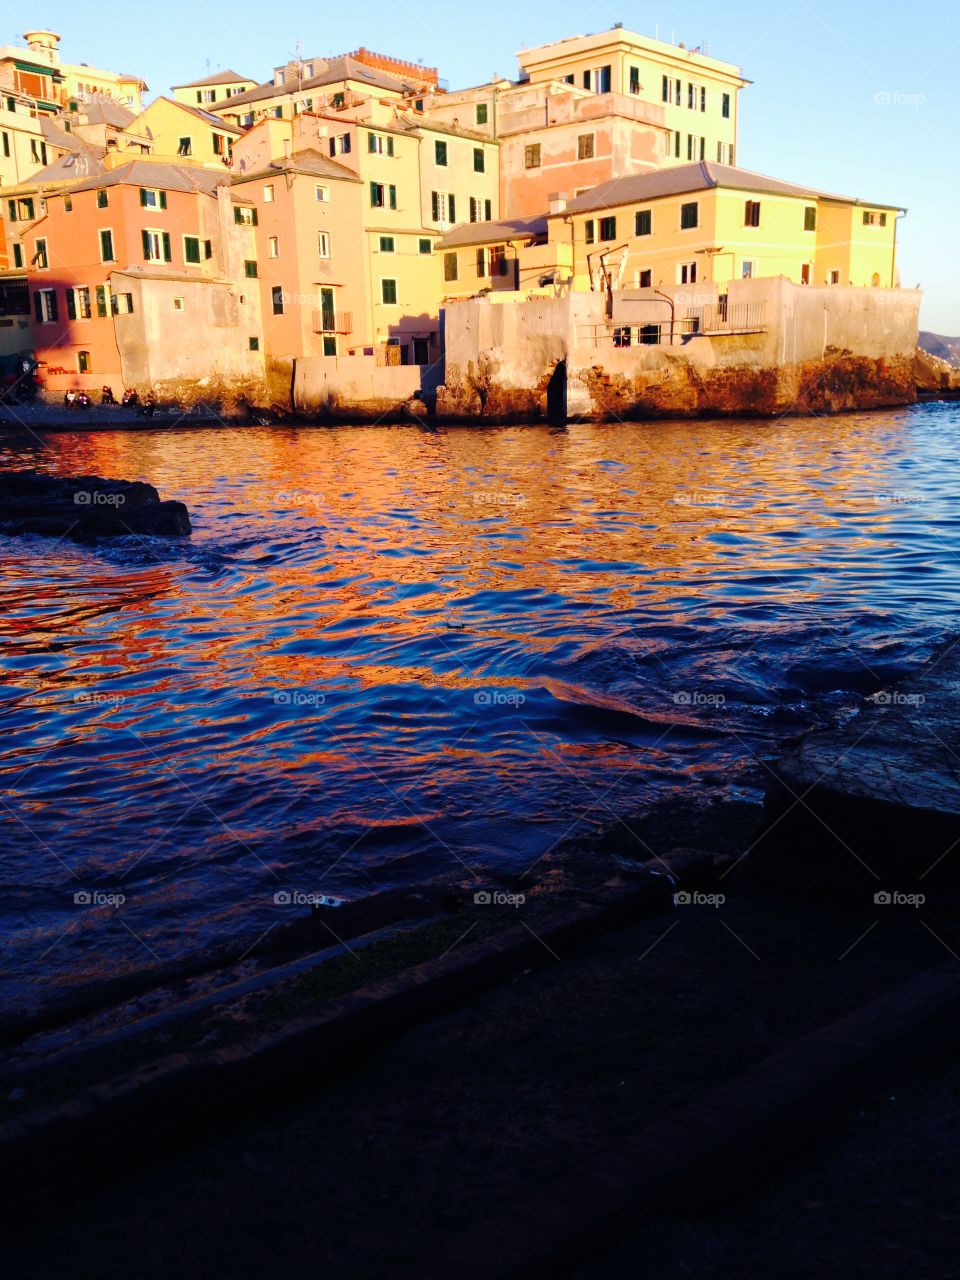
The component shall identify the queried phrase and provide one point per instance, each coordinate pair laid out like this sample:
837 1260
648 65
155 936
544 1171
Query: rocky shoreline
86 507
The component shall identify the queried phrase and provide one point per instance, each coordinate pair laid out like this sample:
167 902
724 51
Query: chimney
557 201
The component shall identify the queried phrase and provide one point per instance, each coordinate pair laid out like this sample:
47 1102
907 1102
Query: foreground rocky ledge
81 507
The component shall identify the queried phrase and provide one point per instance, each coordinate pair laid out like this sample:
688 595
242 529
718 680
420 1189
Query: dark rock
82 507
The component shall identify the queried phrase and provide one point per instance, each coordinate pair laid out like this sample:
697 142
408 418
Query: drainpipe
673 311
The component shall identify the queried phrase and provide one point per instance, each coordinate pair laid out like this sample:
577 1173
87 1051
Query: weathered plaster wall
353 386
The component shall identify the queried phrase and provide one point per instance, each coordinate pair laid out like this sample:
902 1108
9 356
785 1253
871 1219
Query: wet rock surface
875 805
83 507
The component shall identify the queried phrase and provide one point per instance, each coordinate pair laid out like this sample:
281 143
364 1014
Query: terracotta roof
144 172
222 77
305 161
470 233
686 179
336 70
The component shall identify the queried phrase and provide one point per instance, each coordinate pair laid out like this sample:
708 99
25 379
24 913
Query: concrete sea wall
769 348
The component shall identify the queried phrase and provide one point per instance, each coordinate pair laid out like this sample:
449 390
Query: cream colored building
211 89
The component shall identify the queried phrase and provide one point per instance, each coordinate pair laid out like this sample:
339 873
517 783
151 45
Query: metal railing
725 317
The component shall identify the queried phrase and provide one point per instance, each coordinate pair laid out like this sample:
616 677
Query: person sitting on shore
106 396
70 399
130 397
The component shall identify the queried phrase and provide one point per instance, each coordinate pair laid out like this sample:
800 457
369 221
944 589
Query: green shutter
436 206
389 146
393 197
208 248
12 209
163 199
452 202
255 218
54 310
143 196
488 208
101 300
146 245
166 247
237 214
38 307
71 304
371 143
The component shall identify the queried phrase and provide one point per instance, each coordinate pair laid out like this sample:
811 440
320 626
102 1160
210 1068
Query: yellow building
699 94
708 223
514 256
212 89
178 129
38 73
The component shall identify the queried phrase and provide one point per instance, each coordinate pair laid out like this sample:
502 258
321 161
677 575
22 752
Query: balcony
326 322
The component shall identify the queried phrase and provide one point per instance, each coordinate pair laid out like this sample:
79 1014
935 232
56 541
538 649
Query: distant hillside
943 348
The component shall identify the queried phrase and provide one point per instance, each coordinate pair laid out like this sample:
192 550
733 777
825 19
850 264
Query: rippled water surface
387 653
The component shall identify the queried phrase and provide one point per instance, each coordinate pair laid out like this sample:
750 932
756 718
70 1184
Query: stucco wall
322 383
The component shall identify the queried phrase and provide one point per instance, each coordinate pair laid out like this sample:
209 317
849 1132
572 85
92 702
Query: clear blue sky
858 98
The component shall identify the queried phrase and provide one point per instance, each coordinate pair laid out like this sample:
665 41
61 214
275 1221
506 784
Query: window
185 147
388 292
250 269
444 208
339 101
531 156
608 229
377 195
103 199
481 263
378 145
646 280
106 246
254 344
810 218
724 153
18 255
20 210
278 112
244 217
276 297
209 95
479 160
84 364
689 216
6 142
589 231
426 246
748 269
586 146
751 213
103 309
388 244
634 79
323 195
392 196
68 204
121 304
696 147
340 145
696 97
323 244
38 151
726 106
268 195
78 304
451 270
196 250
45 306
328 311
329 344
644 222
834 277
482 114
672 90
156 246
153 199
599 79
498 260
687 273
481 210
273 247
622 336
40 258
178 304
440 153
673 144
649 335
874 219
